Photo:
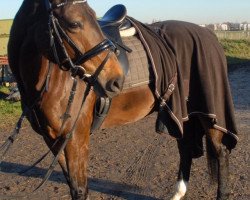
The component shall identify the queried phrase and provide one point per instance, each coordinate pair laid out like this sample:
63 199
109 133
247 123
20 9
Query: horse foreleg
218 158
184 169
61 159
76 154
63 164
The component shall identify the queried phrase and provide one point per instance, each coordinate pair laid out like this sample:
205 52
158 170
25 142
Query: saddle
111 24
115 17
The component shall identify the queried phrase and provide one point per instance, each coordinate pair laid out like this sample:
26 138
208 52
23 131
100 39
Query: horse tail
212 160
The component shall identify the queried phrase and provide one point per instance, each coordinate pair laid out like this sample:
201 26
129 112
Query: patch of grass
237 51
5 26
4 90
3 45
9 108
9 111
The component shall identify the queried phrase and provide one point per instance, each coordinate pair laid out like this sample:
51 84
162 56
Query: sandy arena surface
132 162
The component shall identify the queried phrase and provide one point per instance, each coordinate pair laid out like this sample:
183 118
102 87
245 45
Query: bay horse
61 60
63 63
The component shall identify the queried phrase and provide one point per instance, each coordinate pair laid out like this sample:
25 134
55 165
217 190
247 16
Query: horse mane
30 14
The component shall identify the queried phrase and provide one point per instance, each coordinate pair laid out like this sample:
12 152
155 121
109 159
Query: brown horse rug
190 76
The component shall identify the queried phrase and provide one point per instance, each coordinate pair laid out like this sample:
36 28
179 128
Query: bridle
58 36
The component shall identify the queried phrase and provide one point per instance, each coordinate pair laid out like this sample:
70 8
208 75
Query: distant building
245 27
228 26
219 27
234 26
224 27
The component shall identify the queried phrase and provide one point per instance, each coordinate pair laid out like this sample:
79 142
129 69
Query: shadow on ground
99 185
235 63
3 95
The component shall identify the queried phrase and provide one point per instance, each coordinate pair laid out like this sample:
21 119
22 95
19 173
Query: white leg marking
181 189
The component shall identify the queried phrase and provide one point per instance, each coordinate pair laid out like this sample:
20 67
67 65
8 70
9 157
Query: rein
59 36
69 135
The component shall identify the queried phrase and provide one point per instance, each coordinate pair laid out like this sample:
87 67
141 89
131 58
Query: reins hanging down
11 139
65 139
65 142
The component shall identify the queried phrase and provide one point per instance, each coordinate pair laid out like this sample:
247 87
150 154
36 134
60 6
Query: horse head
79 46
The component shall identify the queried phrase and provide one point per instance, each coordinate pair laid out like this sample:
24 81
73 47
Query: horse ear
48 4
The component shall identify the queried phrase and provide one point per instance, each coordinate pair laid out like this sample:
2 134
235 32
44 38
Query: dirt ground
132 162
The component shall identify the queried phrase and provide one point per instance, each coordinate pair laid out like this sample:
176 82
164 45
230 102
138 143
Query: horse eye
74 25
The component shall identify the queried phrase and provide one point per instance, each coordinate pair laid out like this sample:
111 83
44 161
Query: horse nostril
115 85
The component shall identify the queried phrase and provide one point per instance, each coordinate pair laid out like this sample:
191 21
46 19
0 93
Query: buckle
78 70
171 87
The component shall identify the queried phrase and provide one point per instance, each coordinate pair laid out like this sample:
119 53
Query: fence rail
233 35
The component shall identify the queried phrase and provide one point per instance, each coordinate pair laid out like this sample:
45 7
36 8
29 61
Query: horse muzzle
110 88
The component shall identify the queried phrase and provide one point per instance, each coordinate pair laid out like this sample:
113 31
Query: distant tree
155 21
210 26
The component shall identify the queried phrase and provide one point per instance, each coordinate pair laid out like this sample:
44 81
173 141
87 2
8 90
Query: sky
196 11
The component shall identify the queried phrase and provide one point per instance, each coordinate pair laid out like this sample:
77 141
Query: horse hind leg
218 162
184 169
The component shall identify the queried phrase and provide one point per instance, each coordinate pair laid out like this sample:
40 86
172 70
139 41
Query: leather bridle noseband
57 34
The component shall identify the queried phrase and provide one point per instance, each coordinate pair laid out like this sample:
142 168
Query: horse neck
54 102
